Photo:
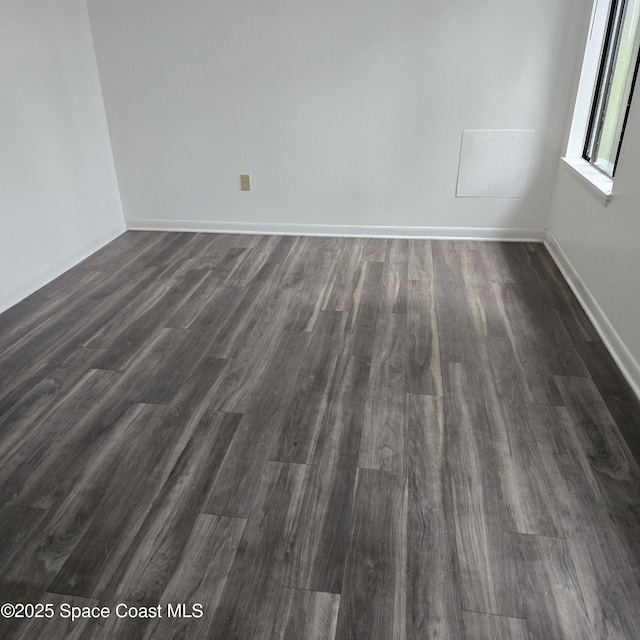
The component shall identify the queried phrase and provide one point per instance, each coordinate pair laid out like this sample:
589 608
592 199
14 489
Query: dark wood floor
317 438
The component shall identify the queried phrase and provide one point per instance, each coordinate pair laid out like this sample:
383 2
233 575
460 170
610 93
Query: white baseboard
351 231
624 359
42 277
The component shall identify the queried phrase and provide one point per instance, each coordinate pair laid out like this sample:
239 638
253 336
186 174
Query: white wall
345 113
601 247
59 198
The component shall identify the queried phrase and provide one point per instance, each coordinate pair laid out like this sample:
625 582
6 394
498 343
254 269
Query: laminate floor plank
41 391
310 299
234 491
347 275
614 467
27 318
137 480
374 249
170 359
208 289
572 314
318 438
246 270
420 261
393 295
215 309
173 245
461 379
200 577
242 376
531 313
434 607
24 378
519 465
284 247
56 339
424 370
127 249
260 336
553 601
557 360
452 313
297 437
487 567
603 562
383 436
319 548
246 314
484 626
397 251
502 372
365 313
249 602
40 442
306 614
16 525
536 379
58 627
623 405
45 551
155 553
229 261
125 344
373 599
508 262
144 304
484 316
444 251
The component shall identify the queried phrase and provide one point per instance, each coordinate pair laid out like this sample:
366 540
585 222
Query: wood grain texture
43 441
483 626
318 554
456 454
365 311
488 579
249 602
623 405
306 614
432 576
297 438
603 562
424 371
16 525
57 627
153 556
200 577
553 601
383 437
452 312
152 451
234 490
373 600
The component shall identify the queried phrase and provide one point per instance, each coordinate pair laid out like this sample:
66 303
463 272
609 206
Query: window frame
592 78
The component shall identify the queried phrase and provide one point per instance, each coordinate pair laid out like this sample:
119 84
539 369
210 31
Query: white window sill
595 182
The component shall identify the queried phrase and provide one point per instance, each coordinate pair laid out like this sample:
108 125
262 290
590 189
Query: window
614 87
606 86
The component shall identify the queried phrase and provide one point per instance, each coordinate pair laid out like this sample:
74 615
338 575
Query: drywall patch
494 163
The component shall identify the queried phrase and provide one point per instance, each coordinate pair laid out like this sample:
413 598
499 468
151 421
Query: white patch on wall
494 164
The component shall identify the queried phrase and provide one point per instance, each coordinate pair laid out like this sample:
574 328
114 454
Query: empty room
319 320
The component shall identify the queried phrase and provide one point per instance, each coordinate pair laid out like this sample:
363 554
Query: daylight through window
614 86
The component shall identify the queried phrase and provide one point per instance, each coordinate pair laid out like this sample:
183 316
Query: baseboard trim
624 359
39 279
328 230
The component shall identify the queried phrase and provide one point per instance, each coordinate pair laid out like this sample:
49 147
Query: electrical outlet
245 182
